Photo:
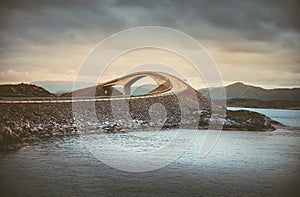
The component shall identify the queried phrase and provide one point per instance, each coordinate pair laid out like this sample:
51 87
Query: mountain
23 90
58 87
240 90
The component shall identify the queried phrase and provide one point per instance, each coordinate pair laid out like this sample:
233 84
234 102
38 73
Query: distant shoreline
264 104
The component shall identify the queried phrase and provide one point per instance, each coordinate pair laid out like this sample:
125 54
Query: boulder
9 140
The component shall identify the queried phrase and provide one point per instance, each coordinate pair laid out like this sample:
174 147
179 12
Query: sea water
241 163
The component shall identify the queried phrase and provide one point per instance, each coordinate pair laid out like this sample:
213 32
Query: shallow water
241 163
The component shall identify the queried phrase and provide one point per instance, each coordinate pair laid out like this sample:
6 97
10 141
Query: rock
248 121
9 140
34 130
40 128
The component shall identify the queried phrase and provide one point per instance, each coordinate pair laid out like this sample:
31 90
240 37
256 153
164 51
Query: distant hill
23 90
240 90
58 87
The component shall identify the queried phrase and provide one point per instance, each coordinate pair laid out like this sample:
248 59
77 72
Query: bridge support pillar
127 89
107 91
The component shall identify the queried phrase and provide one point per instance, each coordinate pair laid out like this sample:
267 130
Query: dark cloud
253 20
264 27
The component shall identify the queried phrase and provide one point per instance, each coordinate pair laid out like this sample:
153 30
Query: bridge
162 81
166 84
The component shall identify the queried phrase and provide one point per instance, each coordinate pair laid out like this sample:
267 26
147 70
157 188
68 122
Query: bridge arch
126 81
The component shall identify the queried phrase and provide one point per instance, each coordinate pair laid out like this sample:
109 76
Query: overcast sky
256 42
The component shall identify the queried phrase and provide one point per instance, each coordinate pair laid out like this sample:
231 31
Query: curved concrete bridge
165 83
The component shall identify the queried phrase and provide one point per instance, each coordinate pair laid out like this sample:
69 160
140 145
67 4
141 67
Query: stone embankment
21 124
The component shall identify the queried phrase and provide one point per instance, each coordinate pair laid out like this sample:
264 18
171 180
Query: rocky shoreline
22 124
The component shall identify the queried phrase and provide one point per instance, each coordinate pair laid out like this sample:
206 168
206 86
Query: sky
255 42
